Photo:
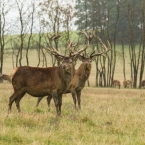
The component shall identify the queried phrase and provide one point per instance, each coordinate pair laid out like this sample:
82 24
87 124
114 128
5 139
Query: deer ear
59 58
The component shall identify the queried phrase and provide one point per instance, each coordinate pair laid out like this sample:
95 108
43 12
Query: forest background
24 25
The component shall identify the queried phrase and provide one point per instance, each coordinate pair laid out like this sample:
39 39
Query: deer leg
38 101
12 99
17 101
79 99
56 102
60 103
49 97
74 98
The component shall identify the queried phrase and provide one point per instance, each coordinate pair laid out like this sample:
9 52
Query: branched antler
54 51
89 38
106 49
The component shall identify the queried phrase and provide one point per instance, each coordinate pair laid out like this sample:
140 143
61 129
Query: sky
12 16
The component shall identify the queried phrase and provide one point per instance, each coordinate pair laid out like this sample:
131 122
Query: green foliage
119 19
11 140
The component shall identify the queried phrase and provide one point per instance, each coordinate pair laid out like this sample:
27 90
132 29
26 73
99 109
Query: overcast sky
12 17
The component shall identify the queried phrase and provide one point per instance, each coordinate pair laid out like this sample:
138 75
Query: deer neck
84 72
66 76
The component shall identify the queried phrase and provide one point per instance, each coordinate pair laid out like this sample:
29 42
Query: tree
57 18
5 7
116 21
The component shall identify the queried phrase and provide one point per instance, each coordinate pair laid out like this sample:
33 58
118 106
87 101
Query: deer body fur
40 82
143 83
50 81
127 84
77 83
80 77
116 83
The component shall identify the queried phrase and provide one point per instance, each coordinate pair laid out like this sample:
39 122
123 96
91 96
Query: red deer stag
80 77
116 83
127 84
40 82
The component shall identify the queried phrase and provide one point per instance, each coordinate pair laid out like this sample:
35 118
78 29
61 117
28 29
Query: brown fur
77 83
127 84
40 82
8 77
116 83
5 77
143 83
81 75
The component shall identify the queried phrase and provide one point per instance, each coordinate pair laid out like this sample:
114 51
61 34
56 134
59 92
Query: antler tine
70 45
105 48
92 53
89 38
53 50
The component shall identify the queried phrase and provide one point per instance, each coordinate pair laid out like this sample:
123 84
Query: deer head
88 60
68 61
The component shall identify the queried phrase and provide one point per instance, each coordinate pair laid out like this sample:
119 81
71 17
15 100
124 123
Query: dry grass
109 116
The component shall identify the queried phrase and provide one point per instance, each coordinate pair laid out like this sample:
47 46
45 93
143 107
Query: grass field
109 116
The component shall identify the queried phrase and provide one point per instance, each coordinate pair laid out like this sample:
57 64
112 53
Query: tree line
120 22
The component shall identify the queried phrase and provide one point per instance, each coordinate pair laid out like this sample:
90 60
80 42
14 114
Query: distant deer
40 82
143 83
127 84
8 77
5 77
80 77
116 83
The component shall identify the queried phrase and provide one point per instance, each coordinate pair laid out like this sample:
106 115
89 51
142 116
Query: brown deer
40 82
80 77
143 83
5 77
127 84
116 83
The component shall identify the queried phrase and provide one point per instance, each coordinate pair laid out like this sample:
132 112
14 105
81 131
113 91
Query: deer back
42 81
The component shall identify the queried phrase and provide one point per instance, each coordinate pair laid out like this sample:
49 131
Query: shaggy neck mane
83 71
66 76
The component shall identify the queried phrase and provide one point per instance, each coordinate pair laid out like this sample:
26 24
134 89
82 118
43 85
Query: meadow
109 116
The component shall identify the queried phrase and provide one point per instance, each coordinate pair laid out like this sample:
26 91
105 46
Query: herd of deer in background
126 84
55 81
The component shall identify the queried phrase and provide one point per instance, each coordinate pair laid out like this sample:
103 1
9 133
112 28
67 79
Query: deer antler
53 50
70 45
89 38
106 49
